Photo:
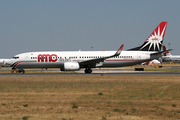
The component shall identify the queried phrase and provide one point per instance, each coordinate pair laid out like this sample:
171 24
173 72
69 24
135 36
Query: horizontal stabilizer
161 52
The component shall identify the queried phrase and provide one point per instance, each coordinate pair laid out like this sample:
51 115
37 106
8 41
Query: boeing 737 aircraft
171 58
76 60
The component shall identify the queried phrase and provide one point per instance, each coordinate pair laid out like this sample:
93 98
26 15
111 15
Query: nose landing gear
17 71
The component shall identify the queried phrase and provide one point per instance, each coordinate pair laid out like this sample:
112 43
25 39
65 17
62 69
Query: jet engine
70 66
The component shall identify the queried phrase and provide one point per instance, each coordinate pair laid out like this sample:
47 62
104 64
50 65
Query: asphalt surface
92 74
96 72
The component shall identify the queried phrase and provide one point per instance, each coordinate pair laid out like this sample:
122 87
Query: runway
96 72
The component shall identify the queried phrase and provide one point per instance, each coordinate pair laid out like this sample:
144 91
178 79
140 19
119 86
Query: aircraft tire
22 71
88 71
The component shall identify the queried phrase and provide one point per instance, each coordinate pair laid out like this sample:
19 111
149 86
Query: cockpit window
15 57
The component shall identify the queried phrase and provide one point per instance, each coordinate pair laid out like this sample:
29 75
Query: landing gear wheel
88 70
22 71
17 71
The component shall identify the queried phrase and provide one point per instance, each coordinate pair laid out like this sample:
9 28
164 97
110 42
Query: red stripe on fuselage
110 60
121 60
22 62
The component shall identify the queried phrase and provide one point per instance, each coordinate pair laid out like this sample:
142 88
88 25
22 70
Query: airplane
171 58
76 60
152 62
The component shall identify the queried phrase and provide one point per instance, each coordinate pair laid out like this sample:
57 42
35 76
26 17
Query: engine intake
70 66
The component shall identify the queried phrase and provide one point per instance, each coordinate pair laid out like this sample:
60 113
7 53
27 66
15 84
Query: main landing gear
17 71
88 70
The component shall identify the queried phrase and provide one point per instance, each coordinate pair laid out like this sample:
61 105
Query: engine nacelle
70 66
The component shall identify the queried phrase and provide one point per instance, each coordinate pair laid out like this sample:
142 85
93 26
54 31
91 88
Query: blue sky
65 25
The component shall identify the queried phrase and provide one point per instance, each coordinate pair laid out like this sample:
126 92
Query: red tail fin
155 40
159 32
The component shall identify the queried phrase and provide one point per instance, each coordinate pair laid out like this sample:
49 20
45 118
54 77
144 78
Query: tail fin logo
156 38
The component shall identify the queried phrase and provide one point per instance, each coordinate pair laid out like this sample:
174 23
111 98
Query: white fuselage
172 58
75 60
57 59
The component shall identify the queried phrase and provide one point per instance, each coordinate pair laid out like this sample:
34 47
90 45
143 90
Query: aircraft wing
94 62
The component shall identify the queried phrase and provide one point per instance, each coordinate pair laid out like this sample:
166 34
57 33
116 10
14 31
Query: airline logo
47 58
156 38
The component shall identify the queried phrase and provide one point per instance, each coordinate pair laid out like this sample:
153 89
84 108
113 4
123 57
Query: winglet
119 50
